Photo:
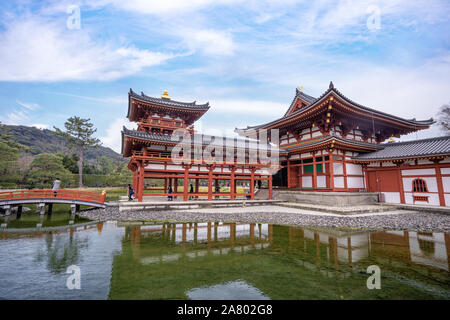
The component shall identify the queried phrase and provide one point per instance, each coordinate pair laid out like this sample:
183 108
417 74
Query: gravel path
399 220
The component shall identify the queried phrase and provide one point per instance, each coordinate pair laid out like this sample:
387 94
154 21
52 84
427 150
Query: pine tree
79 133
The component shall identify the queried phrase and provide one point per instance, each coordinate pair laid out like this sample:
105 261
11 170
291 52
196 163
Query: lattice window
419 185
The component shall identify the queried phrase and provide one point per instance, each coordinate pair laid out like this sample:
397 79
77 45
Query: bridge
42 197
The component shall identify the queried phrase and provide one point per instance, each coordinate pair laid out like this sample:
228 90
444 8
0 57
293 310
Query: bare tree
443 118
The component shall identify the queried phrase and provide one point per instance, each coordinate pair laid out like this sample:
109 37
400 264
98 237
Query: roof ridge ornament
331 85
165 95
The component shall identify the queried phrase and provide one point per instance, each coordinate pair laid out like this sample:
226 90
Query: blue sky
245 57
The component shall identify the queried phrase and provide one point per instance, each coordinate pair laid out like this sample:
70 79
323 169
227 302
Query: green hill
46 141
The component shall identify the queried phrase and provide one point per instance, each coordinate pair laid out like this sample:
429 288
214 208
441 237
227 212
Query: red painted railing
50 194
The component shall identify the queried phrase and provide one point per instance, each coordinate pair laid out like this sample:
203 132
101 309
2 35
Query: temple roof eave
408 150
324 141
167 103
333 91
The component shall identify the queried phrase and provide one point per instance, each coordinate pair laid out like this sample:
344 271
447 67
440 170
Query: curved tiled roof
331 137
330 89
206 139
168 102
438 146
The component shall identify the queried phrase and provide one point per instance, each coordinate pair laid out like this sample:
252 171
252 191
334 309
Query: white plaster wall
433 198
445 170
446 183
307 181
155 166
338 168
373 165
353 168
424 161
316 134
306 137
411 172
305 155
339 182
172 167
355 182
321 182
305 130
447 200
430 181
446 160
153 146
391 197
388 164
295 156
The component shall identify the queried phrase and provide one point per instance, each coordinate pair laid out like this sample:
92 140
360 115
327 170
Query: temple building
332 143
151 152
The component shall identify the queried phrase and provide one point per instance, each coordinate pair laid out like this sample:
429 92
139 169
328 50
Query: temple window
419 185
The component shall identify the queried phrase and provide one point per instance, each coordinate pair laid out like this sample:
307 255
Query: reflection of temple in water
210 255
430 249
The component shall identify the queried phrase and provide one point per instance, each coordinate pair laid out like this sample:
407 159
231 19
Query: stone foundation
339 199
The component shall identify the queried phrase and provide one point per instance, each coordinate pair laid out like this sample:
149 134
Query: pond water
156 260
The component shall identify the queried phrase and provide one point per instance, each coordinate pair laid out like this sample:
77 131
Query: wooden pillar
165 185
135 177
186 183
175 186
330 155
400 184
288 173
141 181
211 168
232 184
314 182
252 184
196 186
440 185
269 183
344 168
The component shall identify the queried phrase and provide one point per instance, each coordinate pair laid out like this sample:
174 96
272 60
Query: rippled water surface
221 261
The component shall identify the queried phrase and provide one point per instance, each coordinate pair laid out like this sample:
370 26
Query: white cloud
113 138
29 106
209 41
16 117
40 126
36 50
247 107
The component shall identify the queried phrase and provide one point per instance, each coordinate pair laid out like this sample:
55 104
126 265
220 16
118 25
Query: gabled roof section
332 91
299 94
438 146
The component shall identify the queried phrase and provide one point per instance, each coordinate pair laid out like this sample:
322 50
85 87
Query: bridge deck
49 196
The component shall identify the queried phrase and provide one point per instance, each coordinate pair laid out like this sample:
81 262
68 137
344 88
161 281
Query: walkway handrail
66 194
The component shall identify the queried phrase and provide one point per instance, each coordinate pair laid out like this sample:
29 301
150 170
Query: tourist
191 190
55 186
170 198
130 192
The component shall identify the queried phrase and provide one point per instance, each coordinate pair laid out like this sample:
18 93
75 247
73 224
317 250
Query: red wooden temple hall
332 143
150 151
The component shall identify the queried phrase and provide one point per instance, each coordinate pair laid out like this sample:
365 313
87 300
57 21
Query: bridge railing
66 194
